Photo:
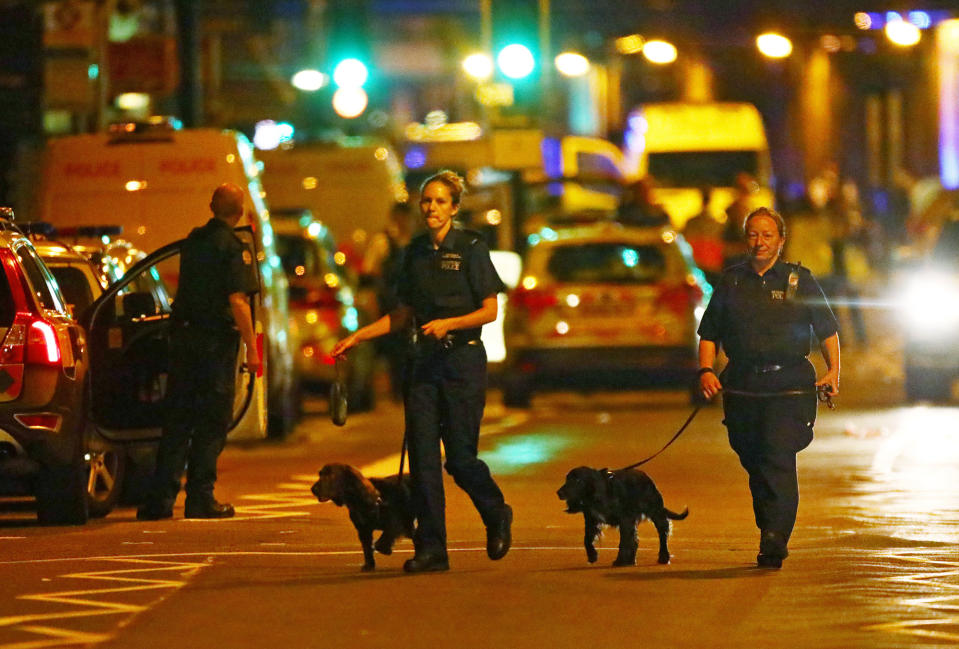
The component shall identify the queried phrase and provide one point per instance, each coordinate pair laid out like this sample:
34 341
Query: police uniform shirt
757 319
214 263
448 281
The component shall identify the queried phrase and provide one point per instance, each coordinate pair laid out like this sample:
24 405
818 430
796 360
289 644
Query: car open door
128 336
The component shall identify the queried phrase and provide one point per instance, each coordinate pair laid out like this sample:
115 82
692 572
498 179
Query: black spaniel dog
374 504
621 498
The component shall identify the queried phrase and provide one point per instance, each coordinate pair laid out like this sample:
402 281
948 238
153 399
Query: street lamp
571 64
479 66
902 33
773 45
309 80
659 52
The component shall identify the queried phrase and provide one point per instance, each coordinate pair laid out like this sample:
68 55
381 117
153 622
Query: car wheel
517 394
62 495
105 468
927 385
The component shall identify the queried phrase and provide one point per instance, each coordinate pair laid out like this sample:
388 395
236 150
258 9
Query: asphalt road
874 560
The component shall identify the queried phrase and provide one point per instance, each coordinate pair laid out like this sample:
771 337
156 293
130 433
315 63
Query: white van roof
158 188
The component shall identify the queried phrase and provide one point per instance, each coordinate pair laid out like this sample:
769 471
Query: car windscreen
74 286
701 168
299 256
617 263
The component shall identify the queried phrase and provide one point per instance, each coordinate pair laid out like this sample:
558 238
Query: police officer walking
447 290
211 314
762 313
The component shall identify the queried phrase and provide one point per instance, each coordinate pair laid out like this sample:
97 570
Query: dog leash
667 445
821 391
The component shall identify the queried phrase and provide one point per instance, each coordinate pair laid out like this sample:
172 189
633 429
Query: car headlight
930 303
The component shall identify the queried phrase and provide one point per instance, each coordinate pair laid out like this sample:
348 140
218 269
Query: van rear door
129 342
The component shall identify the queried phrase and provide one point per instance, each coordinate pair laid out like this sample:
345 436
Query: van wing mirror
138 304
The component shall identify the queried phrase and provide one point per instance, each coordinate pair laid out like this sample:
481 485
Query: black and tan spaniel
373 503
619 498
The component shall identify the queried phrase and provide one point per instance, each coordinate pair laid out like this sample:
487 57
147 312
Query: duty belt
764 368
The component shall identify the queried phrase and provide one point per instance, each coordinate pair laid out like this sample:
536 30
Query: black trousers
767 433
444 402
200 394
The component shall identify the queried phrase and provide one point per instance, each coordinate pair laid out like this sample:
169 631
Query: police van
156 181
687 146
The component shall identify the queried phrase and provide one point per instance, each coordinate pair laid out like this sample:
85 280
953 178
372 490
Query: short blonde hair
453 181
771 213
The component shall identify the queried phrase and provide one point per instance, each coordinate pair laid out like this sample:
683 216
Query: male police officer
761 313
211 314
447 286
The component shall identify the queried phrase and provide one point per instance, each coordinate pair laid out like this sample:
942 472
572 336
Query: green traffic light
350 73
515 61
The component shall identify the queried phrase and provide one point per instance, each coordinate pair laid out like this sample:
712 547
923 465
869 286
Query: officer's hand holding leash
343 346
709 383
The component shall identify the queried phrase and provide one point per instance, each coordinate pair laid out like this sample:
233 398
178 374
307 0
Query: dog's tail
676 517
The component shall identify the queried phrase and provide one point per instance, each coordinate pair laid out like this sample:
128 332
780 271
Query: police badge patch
451 261
247 257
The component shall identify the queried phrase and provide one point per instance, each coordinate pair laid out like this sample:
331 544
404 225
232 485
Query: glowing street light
309 80
350 73
515 61
659 52
571 64
774 46
902 33
349 102
479 66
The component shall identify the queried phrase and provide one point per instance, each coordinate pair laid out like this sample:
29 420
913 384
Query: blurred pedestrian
761 314
638 208
447 290
211 314
735 250
705 236
381 267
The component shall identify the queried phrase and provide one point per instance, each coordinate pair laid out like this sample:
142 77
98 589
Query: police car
603 306
929 310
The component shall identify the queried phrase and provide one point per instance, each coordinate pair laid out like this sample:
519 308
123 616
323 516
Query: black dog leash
675 437
822 393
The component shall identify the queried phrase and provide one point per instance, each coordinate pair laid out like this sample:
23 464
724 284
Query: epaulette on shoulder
472 236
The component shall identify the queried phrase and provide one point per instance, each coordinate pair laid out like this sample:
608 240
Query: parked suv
43 366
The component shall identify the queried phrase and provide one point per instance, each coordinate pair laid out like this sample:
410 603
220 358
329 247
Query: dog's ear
362 487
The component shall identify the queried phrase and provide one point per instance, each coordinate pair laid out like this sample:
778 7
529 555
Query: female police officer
447 290
761 314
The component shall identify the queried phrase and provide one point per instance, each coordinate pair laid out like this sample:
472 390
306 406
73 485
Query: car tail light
31 340
534 301
679 298
320 297
46 420
43 346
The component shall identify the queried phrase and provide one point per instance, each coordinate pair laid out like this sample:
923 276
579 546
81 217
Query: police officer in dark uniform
447 290
211 314
762 313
